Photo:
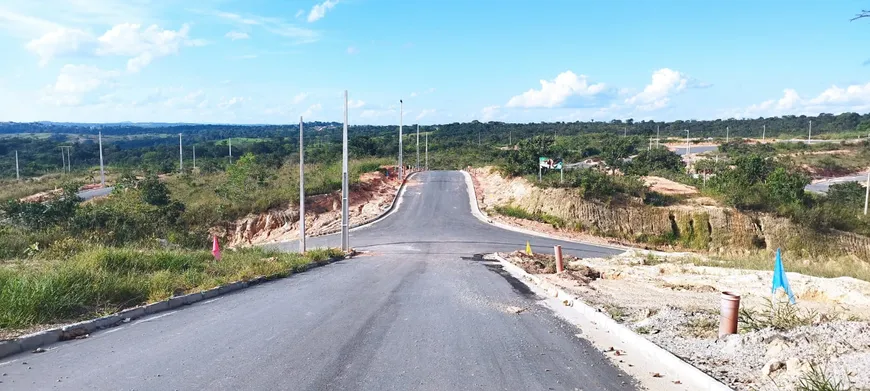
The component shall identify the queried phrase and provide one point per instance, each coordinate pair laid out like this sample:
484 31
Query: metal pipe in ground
559 266
728 317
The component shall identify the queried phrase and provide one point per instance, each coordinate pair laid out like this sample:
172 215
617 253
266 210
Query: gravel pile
766 359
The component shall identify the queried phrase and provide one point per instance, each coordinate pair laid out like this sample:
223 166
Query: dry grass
828 267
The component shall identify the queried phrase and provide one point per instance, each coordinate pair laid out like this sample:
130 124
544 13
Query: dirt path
675 304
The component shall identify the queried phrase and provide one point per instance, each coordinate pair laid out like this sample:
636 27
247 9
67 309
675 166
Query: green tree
786 187
657 159
615 150
153 191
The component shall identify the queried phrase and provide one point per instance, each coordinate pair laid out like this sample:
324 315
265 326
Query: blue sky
256 61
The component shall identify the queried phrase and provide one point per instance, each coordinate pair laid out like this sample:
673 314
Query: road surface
418 311
823 185
93 193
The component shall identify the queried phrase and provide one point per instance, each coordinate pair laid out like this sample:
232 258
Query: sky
257 61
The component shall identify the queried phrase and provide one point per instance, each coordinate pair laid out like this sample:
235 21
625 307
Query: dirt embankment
697 227
368 199
675 304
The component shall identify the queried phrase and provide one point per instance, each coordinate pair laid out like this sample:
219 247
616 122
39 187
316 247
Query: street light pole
427 151
301 189
102 169
345 240
867 193
62 160
230 142
810 135
180 156
418 146
688 151
401 165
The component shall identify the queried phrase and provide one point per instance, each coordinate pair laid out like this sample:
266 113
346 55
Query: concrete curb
475 210
44 338
687 373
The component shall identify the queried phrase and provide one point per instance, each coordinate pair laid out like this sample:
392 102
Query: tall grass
105 280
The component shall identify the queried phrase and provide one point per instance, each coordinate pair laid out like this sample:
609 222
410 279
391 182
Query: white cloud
414 94
352 50
431 90
24 25
189 100
143 45
373 114
299 98
59 42
275 26
557 92
835 99
311 110
488 113
425 113
234 35
355 104
656 95
319 10
74 81
234 101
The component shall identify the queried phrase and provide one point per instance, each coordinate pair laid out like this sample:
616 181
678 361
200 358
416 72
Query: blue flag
779 279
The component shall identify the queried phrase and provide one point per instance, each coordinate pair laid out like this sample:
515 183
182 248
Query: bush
656 159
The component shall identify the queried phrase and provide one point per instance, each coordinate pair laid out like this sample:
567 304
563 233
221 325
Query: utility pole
180 156
657 136
624 131
18 177
510 137
810 136
230 142
867 193
401 166
301 189
345 240
688 151
427 151
418 146
763 132
102 169
62 160
194 157
727 134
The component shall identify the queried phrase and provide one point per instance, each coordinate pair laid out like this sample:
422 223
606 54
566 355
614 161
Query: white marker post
401 166
301 189
345 239
180 156
102 168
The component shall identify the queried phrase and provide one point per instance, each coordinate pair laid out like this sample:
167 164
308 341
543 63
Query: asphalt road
419 311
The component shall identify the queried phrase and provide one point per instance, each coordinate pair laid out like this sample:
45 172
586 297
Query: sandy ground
675 304
667 186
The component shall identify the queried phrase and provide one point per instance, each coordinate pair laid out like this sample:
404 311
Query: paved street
418 311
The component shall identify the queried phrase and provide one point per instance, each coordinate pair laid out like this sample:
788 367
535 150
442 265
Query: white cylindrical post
727 134
62 159
102 169
230 142
763 132
18 176
401 164
180 156
427 151
301 188
658 137
688 151
810 135
194 157
867 193
345 240
418 146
